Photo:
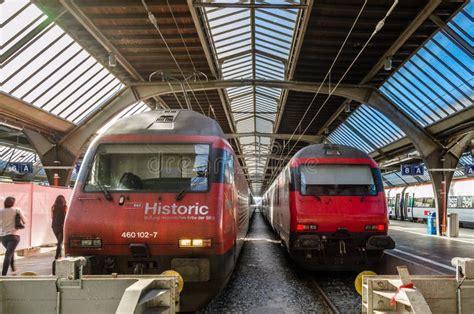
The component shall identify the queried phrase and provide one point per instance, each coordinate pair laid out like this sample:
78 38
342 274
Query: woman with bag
11 221
58 212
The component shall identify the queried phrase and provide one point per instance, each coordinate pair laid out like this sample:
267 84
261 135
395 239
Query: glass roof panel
19 19
8 153
266 34
433 84
127 112
437 81
49 69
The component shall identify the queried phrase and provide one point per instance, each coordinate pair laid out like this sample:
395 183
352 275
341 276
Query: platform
413 243
40 263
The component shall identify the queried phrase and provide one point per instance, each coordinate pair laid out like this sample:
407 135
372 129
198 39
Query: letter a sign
469 170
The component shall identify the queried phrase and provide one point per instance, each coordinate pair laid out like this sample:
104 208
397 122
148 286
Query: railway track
326 300
337 292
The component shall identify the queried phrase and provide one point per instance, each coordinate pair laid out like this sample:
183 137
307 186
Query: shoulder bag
19 224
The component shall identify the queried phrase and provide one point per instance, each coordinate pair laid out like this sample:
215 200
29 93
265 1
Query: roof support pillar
55 159
441 179
434 155
60 157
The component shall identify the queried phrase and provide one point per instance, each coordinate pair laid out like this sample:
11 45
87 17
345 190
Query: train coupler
342 247
380 242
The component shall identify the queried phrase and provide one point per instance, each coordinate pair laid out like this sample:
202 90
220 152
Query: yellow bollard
175 273
358 280
28 273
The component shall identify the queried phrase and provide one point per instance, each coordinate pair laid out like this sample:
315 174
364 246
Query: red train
161 190
328 207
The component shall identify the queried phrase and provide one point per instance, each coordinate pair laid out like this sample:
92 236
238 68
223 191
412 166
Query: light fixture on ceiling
11 126
326 131
112 60
387 64
347 108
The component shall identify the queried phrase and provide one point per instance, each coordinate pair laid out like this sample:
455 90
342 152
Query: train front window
337 180
149 167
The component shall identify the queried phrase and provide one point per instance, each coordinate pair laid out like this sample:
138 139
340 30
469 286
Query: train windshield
149 167
337 180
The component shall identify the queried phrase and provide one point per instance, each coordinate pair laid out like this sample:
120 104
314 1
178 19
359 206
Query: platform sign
21 167
469 170
412 170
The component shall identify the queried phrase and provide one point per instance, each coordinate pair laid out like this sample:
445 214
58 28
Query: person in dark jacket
58 212
9 234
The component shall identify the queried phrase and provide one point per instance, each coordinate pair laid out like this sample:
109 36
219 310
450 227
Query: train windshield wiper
106 192
193 183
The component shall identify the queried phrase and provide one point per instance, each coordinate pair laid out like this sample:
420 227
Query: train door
405 215
410 205
398 200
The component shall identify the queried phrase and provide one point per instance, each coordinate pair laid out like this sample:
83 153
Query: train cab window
228 168
149 167
337 180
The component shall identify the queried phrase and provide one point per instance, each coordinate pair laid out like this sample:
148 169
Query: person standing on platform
9 232
58 212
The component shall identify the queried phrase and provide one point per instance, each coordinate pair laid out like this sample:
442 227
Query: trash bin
431 223
453 225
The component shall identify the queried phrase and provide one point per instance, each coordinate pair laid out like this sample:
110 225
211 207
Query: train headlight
302 227
377 227
185 243
94 243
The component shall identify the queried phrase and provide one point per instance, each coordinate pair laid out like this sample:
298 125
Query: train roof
330 151
167 122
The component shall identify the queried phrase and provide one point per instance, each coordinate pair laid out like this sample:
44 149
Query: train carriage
328 207
416 202
161 190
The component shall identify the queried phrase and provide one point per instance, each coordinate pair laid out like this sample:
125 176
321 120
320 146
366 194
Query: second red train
329 209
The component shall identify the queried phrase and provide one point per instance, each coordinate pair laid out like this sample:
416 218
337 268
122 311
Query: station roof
67 59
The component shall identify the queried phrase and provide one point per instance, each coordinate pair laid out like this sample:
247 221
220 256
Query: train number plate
139 234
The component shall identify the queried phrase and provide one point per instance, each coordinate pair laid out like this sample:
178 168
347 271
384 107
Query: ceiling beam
210 60
87 23
84 20
253 155
460 122
248 5
397 44
304 138
22 114
356 92
406 35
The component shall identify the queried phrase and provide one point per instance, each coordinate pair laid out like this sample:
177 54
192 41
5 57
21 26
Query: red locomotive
328 207
161 190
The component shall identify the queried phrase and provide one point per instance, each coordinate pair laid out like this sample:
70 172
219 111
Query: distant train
328 207
417 201
161 190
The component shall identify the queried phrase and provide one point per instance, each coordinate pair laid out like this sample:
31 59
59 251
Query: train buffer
421 294
71 292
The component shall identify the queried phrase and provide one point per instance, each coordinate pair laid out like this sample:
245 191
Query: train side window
228 168
452 202
466 202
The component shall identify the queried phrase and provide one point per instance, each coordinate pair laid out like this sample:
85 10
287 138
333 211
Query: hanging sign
21 167
412 170
469 170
